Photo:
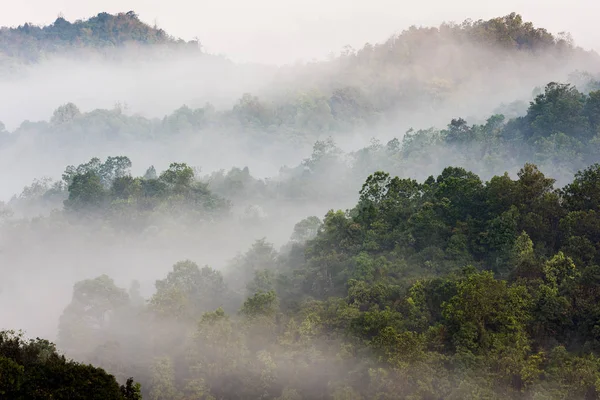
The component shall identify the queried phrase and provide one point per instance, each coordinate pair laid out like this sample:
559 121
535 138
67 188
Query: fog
444 80
152 83
129 102
46 259
270 31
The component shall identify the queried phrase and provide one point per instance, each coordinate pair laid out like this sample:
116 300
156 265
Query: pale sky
284 31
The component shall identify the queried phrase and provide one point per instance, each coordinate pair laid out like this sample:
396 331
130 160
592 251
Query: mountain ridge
110 30
29 42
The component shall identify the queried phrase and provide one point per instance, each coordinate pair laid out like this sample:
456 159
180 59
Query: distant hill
423 76
29 43
468 64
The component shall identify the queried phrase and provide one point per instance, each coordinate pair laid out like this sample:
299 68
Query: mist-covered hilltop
487 285
450 287
558 130
416 219
32 43
429 66
422 76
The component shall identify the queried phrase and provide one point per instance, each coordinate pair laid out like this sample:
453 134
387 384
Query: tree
125 188
261 304
592 111
85 320
11 377
179 176
260 257
113 168
189 291
583 193
65 113
107 171
131 390
459 132
463 190
163 385
486 315
306 229
86 193
559 109
150 173
325 155
32 369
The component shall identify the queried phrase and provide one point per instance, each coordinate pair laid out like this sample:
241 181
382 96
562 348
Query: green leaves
558 109
34 370
261 304
11 377
179 175
583 194
107 191
189 291
86 192
486 314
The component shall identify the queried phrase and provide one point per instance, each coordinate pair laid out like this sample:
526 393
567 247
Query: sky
287 31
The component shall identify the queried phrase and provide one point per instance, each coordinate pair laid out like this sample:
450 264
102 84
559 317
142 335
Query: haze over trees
429 230
487 286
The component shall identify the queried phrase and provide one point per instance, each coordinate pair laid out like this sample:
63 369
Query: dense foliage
448 288
108 189
559 131
464 285
30 42
32 369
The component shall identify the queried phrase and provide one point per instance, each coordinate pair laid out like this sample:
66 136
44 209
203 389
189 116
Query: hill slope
30 42
468 65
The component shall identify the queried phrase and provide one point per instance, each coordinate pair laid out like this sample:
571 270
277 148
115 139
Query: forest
452 260
30 43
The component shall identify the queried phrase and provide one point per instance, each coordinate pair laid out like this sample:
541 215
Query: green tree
85 320
189 291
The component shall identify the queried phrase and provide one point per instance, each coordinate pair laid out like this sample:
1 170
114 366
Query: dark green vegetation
108 190
32 369
31 43
462 285
447 288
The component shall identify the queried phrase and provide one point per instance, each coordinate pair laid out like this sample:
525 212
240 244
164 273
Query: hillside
456 260
423 76
438 58
30 43
470 65
33 369
447 288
